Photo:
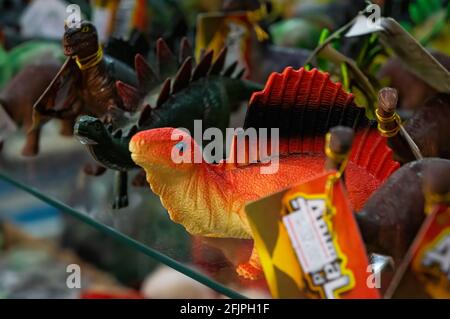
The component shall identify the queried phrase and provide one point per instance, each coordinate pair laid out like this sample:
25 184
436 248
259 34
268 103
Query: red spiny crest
305 105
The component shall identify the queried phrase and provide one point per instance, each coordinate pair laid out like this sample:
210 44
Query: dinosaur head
90 130
164 150
82 41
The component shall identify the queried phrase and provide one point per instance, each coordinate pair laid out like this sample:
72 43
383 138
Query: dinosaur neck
199 200
112 153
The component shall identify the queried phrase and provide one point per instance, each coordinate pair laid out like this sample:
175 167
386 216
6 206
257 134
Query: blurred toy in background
243 32
221 190
17 99
119 18
429 21
359 70
10 12
304 27
30 52
179 92
168 20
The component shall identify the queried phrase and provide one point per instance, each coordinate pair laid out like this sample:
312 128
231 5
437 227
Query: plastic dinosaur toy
428 128
86 82
206 92
209 199
392 216
18 96
412 90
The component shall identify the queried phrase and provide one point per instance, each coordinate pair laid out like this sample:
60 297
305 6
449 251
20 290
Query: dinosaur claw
249 270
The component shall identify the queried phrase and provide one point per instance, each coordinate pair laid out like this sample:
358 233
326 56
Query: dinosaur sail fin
185 50
118 133
304 105
183 76
219 63
203 66
164 93
230 69
240 74
145 115
166 61
371 152
147 78
129 94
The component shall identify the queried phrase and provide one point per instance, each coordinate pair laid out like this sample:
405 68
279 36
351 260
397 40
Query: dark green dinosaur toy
206 91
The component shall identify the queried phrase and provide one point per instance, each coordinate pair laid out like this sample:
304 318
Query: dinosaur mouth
136 154
85 140
80 134
68 50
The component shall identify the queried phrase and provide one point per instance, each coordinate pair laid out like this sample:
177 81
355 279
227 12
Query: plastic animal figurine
428 127
86 81
209 199
21 92
413 91
205 92
390 219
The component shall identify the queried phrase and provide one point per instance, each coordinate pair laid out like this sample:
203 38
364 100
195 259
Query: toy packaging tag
425 271
7 125
307 248
215 30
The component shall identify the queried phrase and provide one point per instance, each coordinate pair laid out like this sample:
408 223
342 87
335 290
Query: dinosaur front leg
252 268
120 190
31 146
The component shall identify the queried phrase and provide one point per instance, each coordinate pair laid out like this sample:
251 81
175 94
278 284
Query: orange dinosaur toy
209 199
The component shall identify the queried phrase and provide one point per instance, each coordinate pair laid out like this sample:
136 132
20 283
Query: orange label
318 252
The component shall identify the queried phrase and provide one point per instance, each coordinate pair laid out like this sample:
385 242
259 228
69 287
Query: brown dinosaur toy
412 90
21 92
85 83
393 214
425 134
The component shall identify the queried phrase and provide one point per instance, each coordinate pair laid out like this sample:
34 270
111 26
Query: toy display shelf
56 177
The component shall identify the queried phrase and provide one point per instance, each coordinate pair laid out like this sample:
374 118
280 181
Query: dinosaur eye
85 29
181 146
97 126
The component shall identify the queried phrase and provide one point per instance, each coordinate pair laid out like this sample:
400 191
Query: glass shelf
56 177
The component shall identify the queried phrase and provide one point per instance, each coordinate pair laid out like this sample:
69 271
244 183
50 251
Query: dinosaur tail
305 105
